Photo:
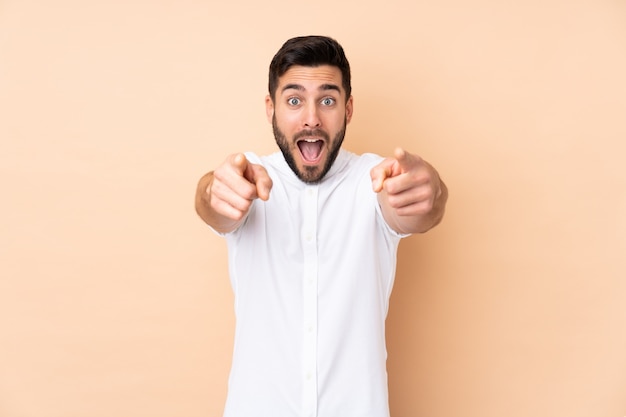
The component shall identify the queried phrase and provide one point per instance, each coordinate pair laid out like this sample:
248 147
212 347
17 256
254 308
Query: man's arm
410 193
224 196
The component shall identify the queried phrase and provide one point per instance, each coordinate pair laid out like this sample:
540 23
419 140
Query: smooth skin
410 192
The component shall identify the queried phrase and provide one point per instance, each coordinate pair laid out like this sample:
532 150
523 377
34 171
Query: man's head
309 103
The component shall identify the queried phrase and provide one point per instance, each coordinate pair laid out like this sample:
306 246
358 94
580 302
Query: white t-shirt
312 270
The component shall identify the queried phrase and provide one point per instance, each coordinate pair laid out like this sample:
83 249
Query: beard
309 174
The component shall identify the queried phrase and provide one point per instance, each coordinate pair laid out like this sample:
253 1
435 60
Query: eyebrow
323 87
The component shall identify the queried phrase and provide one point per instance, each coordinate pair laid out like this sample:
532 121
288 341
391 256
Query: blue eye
294 101
328 101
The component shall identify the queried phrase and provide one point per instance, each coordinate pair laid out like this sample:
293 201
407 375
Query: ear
269 108
349 109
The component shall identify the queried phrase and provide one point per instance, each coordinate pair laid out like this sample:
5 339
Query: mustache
311 133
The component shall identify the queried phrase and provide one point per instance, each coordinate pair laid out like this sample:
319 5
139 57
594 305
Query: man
312 234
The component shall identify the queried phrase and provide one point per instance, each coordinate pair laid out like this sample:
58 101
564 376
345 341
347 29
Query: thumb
262 180
380 173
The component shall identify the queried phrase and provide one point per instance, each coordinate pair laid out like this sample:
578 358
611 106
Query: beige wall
114 299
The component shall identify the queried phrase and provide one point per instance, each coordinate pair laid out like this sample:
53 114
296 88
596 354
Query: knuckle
219 175
237 215
390 187
248 193
394 202
241 204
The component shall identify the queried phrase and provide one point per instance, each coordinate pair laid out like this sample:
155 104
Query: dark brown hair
309 51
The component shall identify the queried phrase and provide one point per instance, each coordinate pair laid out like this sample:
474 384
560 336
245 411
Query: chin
313 174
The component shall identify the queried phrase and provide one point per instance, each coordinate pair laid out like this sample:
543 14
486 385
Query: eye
293 101
328 101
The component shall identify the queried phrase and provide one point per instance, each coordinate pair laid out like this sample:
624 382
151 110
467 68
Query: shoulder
253 157
274 161
370 159
353 163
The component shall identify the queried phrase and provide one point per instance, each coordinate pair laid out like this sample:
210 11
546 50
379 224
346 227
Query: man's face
309 116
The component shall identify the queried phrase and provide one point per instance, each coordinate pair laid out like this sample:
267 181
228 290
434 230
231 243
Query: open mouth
311 150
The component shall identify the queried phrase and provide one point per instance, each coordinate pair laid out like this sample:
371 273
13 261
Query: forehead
311 78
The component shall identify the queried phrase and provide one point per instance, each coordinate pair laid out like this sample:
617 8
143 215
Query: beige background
114 299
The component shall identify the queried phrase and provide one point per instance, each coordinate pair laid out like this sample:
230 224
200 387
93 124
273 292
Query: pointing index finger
240 162
404 159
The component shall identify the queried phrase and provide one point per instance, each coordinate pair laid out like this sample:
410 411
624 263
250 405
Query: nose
311 117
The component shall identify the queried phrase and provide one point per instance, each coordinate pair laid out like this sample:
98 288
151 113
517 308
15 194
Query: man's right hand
225 195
